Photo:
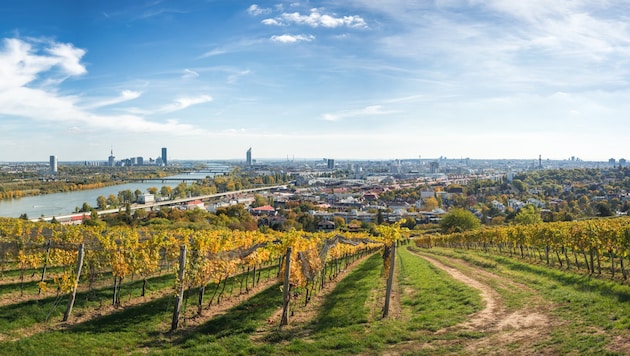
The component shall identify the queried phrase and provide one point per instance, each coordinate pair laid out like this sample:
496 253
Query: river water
65 203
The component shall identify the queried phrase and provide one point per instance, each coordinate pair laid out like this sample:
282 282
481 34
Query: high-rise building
248 157
330 164
434 166
111 160
53 164
164 159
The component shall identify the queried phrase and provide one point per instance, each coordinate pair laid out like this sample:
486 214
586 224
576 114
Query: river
59 204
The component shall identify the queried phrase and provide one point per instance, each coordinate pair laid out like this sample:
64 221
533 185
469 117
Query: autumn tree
430 203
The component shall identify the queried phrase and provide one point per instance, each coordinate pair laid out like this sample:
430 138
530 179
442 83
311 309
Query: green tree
112 201
166 191
339 222
528 215
126 196
603 209
458 220
101 202
259 200
85 208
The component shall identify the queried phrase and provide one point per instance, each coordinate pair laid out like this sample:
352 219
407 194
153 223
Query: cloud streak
125 95
372 110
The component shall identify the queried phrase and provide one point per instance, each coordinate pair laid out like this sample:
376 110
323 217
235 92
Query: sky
352 79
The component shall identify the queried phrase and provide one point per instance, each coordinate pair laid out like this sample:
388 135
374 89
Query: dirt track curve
507 331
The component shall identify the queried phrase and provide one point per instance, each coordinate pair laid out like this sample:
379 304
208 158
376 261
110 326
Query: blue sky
354 79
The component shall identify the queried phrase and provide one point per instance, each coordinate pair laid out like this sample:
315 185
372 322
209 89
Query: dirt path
515 330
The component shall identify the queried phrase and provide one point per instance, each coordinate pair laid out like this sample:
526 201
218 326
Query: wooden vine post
43 276
286 296
180 292
73 295
390 279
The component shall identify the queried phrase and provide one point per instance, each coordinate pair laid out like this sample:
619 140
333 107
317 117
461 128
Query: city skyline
354 80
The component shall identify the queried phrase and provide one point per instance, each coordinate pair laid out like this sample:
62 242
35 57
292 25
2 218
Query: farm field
445 301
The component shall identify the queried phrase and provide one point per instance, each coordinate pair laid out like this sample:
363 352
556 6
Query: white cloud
23 64
272 22
367 111
292 38
256 10
20 62
317 19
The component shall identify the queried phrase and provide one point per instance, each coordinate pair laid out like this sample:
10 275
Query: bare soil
505 331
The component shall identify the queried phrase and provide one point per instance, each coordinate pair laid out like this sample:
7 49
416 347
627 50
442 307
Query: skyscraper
53 164
111 160
164 159
249 157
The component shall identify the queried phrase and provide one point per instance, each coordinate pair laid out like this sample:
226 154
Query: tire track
517 331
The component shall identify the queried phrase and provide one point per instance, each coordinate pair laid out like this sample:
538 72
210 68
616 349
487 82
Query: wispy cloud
367 111
231 47
158 12
214 52
317 19
233 78
189 74
124 96
292 38
183 103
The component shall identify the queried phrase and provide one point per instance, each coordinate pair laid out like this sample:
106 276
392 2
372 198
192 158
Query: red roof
264 208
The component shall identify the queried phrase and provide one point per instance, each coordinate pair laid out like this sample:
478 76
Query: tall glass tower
53 164
164 160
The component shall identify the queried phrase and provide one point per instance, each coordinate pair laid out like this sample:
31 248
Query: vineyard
588 244
121 290
200 257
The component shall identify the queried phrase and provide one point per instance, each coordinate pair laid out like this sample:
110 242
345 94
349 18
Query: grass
592 310
589 312
46 310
